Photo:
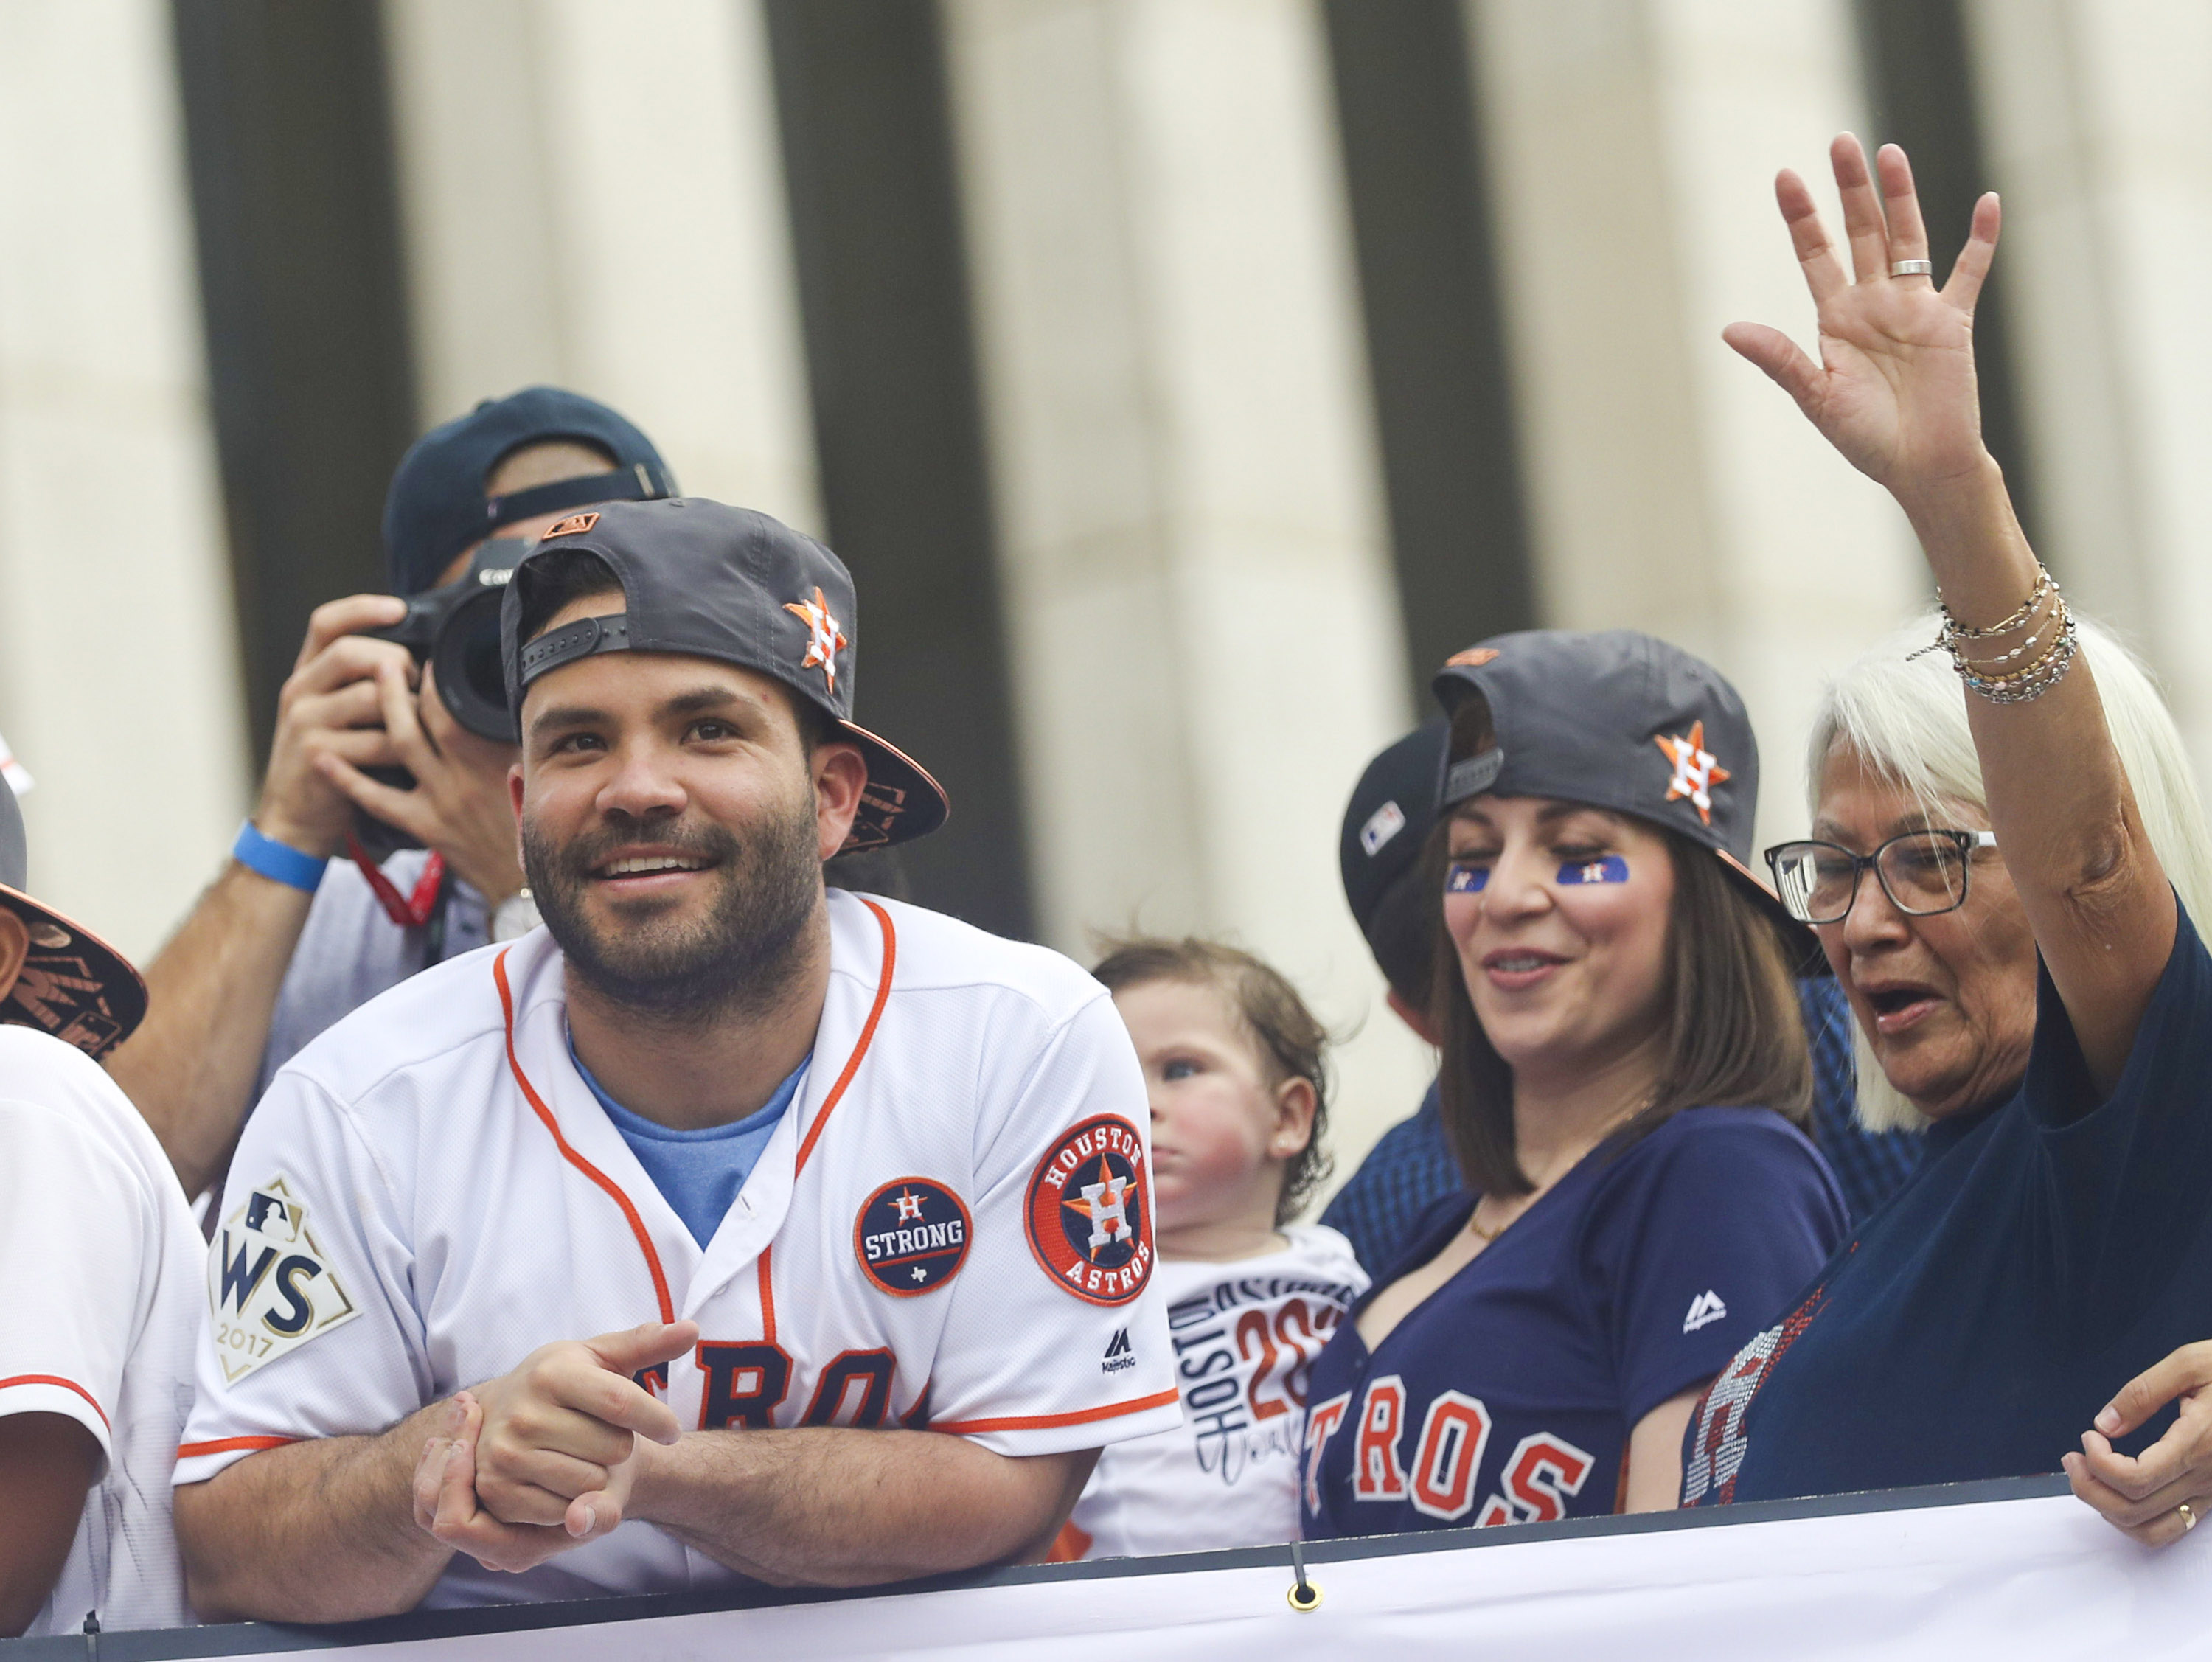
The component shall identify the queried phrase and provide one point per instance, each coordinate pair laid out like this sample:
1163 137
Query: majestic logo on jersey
1696 769
824 639
270 1287
1705 1310
1090 1220
912 1235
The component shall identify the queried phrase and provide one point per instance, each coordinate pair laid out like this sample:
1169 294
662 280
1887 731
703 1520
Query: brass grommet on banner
1303 1597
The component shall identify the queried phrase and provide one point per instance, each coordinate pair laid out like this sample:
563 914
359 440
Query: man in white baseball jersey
856 1197
99 1287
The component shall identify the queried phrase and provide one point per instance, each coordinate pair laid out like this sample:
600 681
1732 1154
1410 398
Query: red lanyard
409 911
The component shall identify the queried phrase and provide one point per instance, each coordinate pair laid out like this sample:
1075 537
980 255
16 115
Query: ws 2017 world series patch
269 1285
1089 1221
911 1236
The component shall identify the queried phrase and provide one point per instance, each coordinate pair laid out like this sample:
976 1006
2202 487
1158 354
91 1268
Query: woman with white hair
2024 974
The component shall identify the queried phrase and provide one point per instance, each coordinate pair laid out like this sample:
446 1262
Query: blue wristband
278 861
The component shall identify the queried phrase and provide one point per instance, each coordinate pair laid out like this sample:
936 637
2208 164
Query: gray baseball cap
709 581
1620 719
73 984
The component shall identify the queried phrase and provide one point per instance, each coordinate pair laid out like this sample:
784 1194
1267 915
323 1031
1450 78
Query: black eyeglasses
1923 873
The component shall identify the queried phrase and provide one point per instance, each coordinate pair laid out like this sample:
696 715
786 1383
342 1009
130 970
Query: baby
1233 1065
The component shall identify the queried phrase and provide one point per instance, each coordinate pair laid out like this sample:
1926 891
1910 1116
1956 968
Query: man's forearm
832 1507
191 1067
322 1530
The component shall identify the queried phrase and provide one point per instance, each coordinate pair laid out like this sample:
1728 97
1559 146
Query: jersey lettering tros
950 1228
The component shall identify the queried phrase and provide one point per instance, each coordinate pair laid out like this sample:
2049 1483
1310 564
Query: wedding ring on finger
2187 1513
1912 268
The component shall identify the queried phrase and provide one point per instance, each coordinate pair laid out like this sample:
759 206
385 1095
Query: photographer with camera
384 841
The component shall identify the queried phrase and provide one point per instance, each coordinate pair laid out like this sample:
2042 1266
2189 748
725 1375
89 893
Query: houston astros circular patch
911 1236
1090 1221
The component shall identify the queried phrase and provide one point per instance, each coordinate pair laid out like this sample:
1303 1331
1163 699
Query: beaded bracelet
2034 678
1955 631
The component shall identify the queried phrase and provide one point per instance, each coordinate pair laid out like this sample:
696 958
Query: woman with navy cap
1624 1075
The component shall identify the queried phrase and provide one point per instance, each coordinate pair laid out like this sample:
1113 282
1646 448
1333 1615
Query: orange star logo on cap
824 640
1697 771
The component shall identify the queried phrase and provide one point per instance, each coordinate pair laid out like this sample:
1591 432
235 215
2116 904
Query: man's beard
735 959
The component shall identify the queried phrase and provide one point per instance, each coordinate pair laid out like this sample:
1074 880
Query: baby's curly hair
1290 1042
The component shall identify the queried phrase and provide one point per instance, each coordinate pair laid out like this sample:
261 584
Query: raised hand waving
1894 389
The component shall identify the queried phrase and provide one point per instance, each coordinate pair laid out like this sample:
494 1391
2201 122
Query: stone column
2097 120
592 195
1671 487
1205 650
119 660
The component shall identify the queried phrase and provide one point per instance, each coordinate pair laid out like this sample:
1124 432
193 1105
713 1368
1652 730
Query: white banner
2015 1579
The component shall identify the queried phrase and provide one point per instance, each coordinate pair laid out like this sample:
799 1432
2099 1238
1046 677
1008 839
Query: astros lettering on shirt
1508 1396
950 1230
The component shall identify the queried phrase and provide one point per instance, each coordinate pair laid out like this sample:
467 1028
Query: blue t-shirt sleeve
2127 1171
1708 1229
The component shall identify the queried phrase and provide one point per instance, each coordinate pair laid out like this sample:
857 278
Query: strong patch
911 1236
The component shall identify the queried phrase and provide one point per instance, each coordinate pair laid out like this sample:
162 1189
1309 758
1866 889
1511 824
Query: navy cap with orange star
1618 719
709 580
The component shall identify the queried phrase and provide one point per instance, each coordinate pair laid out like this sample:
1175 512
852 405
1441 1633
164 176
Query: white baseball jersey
1245 1336
99 1277
950 1227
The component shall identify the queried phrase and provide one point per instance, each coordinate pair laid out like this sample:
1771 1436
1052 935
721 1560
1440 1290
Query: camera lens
470 680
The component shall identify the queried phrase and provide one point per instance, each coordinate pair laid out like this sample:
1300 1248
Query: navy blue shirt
2052 1248
1380 1210
1507 1395
698 1172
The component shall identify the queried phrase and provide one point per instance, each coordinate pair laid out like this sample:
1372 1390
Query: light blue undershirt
698 1173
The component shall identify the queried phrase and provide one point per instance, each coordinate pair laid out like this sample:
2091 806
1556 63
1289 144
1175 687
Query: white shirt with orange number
1245 1335
950 1228
99 1280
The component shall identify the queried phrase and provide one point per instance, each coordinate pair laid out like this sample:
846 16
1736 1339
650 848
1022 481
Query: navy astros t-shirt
2050 1249
1507 1395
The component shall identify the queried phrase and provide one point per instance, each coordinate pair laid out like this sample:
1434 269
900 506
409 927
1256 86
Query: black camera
455 631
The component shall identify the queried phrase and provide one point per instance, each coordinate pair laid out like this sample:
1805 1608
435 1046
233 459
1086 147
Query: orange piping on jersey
224 1445
867 1032
545 1115
1047 1422
66 1385
768 1296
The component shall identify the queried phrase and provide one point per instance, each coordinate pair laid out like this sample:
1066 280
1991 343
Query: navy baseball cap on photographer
436 506
1620 720
73 984
709 580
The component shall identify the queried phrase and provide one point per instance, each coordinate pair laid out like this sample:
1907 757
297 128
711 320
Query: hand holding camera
358 750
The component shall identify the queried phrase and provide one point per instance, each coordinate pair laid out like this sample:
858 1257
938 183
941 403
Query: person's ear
839 775
1296 1104
15 947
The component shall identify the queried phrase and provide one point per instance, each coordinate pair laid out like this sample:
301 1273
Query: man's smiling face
672 828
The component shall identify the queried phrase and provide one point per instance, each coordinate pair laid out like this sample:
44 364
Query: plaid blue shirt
1412 1167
